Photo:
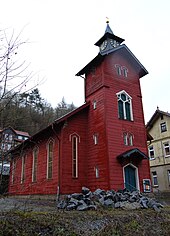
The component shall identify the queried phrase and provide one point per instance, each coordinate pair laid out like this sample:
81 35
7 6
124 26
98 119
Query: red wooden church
101 144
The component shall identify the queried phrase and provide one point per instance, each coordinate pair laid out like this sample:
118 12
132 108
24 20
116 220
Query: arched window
50 159
124 71
34 164
128 139
124 106
118 69
125 138
75 156
23 169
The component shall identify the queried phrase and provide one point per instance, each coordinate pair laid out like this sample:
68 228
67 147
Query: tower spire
108 41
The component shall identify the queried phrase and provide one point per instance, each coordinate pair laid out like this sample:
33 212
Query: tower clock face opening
103 45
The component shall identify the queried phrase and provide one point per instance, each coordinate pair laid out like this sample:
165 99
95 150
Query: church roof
125 51
58 123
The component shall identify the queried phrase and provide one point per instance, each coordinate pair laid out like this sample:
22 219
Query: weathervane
107 20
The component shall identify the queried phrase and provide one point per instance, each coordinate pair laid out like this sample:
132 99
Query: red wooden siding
103 121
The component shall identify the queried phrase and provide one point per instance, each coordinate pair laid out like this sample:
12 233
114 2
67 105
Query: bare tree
14 75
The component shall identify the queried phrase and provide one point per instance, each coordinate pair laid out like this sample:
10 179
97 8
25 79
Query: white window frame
151 149
125 139
94 104
97 172
155 177
118 69
96 138
23 168
129 100
75 156
35 164
124 71
130 138
165 146
168 172
51 141
163 127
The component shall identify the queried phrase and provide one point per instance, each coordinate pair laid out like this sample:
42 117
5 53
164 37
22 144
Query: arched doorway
131 177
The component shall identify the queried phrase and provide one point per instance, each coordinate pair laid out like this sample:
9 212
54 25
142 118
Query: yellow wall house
159 150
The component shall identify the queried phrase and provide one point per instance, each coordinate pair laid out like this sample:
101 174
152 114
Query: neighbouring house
159 150
9 138
101 144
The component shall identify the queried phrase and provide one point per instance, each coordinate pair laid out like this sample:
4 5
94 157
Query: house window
50 159
75 157
95 138
97 171
166 149
94 104
124 106
169 177
151 153
154 178
124 71
118 69
125 138
34 165
19 137
23 169
163 127
128 139
10 137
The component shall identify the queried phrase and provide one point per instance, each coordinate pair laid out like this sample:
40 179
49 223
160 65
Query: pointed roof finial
107 20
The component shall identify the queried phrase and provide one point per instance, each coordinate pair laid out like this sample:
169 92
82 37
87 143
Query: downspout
58 186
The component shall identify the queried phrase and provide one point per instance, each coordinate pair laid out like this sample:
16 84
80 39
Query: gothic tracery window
124 106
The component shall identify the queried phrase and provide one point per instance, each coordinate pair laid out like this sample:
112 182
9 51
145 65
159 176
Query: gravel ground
41 217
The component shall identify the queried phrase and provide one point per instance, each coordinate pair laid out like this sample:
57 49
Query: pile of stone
123 199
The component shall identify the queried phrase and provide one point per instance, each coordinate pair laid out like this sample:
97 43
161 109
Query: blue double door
130 178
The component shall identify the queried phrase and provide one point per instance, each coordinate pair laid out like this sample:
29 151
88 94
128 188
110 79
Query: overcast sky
62 36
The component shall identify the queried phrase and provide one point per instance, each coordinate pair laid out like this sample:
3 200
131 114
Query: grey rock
82 207
78 196
117 205
62 204
101 200
85 190
130 206
74 201
99 192
108 202
71 207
